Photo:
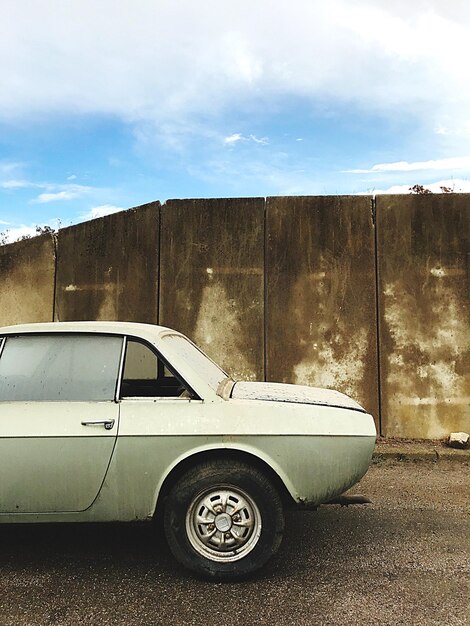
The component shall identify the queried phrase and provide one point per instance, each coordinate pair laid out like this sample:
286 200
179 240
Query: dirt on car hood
299 394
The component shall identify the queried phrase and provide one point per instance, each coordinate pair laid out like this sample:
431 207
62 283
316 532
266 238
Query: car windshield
200 362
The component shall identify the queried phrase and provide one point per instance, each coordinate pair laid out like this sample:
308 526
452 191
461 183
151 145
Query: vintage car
116 421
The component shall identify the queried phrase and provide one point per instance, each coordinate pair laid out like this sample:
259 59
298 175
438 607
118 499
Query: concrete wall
321 302
212 279
424 329
27 270
107 269
369 296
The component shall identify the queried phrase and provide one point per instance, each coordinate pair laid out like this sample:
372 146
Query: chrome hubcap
223 523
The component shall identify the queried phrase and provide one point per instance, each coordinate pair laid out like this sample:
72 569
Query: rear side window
59 367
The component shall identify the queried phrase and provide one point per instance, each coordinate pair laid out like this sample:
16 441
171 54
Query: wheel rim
223 523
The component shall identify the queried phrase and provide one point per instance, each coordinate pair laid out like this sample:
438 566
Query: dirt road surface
405 559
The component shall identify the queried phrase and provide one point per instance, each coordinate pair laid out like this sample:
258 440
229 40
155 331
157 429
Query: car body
118 421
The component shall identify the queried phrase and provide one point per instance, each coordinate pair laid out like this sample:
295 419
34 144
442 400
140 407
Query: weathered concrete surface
423 259
320 296
402 560
212 278
320 300
27 270
107 269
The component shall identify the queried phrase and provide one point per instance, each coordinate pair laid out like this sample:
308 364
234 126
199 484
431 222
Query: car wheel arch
250 457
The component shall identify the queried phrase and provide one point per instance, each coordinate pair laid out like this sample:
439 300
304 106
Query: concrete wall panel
423 244
107 269
27 281
212 285
321 321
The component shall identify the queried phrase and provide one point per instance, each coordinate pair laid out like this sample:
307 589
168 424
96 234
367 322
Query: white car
115 421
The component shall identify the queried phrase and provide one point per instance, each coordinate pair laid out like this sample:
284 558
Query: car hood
298 394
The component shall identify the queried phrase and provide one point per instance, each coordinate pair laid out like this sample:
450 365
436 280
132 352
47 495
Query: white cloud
16 184
452 163
13 184
183 58
59 195
261 140
231 139
7 167
457 185
450 128
66 192
101 211
238 137
14 232
55 191
17 232
442 130
71 177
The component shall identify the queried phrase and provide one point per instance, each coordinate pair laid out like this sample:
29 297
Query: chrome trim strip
121 369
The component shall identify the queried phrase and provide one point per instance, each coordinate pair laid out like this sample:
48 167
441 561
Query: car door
58 419
156 405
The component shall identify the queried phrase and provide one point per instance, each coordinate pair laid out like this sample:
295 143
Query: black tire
252 516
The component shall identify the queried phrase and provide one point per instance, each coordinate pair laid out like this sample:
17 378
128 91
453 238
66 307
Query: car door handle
108 424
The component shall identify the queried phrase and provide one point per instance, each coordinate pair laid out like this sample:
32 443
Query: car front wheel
223 519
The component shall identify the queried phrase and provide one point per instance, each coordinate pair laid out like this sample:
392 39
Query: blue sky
108 105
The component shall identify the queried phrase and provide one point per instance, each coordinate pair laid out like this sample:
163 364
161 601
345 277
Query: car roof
107 327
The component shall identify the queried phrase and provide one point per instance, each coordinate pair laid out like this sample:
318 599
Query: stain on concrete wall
212 278
320 306
107 269
27 271
423 244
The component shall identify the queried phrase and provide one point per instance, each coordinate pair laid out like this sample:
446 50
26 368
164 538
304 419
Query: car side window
72 367
145 375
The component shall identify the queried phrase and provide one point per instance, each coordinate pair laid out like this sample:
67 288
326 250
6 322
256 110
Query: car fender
222 447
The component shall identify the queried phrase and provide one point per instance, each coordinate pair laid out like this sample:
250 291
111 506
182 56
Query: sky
108 105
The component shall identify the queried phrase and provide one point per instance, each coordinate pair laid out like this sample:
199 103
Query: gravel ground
404 559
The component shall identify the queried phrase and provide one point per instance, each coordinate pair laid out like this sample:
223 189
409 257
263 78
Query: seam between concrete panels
377 309
55 243
159 258
265 291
